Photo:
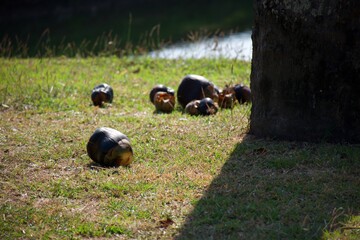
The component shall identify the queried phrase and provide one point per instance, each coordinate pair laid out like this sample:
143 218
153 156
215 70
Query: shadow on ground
279 190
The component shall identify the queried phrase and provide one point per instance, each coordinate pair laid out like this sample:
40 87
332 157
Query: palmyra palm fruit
195 87
110 148
242 93
160 88
227 97
102 93
164 102
192 108
207 107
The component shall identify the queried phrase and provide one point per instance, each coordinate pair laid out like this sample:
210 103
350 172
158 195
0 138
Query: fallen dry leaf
165 223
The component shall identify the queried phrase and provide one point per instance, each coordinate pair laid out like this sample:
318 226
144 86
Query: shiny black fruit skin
102 93
207 107
242 93
160 88
102 141
195 87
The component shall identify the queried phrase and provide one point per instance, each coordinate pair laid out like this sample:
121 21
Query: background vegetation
43 28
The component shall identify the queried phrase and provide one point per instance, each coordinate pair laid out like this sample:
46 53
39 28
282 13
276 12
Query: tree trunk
305 70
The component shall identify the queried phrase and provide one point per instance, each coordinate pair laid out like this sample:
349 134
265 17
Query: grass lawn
192 177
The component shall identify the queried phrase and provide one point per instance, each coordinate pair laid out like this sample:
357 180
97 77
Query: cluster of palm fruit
198 96
195 94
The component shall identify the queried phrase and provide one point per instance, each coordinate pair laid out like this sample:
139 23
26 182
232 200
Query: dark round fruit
207 107
164 102
102 93
110 148
242 93
195 87
160 88
192 108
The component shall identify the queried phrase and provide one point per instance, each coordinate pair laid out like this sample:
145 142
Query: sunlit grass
192 177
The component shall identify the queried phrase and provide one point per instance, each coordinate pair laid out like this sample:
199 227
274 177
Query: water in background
237 46
84 28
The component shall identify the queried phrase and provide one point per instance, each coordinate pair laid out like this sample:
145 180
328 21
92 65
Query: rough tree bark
306 69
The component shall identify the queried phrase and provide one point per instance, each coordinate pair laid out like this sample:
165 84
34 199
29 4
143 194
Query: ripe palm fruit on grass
227 97
110 148
242 93
163 98
102 93
160 88
207 107
192 108
195 87
164 102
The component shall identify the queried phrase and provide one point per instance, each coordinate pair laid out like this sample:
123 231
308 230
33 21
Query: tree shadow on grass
279 190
